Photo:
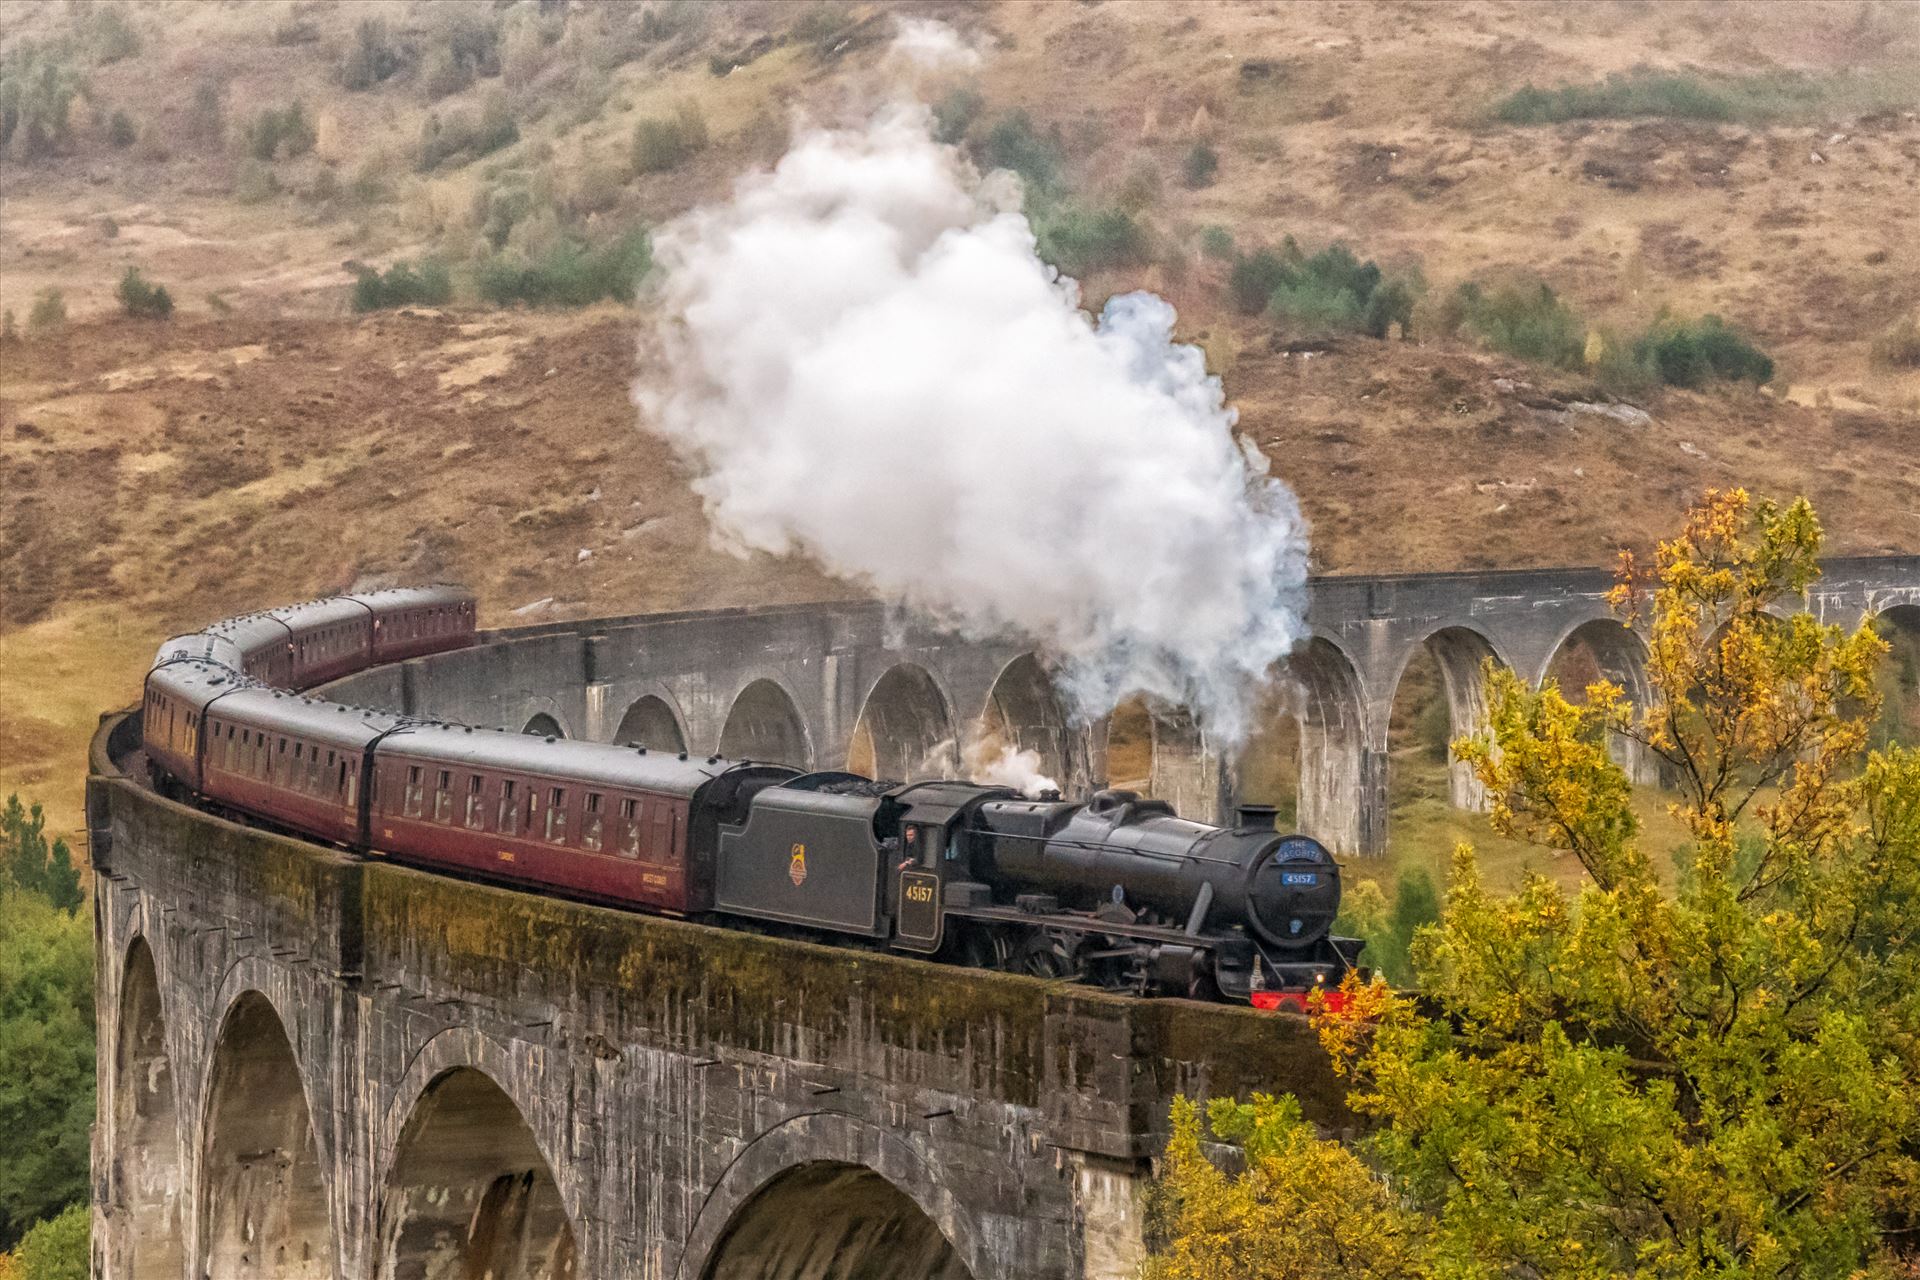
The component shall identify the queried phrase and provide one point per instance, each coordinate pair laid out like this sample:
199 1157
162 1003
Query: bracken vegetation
1646 93
1712 1073
427 283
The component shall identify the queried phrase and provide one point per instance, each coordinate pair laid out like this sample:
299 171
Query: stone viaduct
320 1066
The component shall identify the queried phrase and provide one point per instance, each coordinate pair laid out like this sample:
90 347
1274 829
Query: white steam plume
864 360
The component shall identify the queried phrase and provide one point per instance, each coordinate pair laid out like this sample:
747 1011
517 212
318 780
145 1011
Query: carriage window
415 796
353 783
509 823
443 797
557 815
340 786
314 774
629 829
473 802
591 825
280 770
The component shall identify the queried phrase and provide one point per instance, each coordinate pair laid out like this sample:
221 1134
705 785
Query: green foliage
1691 354
46 1026
1200 167
49 311
1299 1209
1217 242
1319 295
1527 321
466 135
427 283
106 35
1898 345
1713 1076
31 863
141 299
1390 928
1079 240
58 1248
568 273
1014 144
120 130
467 48
661 143
37 89
953 115
374 57
1618 97
206 116
1767 97
280 133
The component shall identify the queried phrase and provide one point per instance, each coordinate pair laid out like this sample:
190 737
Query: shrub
666 142
107 35
142 299
670 18
36 93
1524 321
275 133
1690 354
1201 164
568 273
373 59
58 1248
1078 240
1013 144
1254 278
524 54
206 118
9 332
466 135
427 283
1898 346
954 115
1636 93
49 311
1217 242
120 130
1327 293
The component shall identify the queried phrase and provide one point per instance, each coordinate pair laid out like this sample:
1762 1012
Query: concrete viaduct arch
845 668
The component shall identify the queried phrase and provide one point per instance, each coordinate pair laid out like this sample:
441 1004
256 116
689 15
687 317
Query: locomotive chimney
1255 815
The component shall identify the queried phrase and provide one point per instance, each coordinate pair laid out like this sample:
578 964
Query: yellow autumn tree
1699 1066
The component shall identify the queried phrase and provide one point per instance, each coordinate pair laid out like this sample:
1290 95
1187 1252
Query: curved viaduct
318 1065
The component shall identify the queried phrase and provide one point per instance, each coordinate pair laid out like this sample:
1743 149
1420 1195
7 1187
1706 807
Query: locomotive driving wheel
1051 953
985 947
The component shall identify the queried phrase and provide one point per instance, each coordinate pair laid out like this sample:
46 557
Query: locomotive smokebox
1262 816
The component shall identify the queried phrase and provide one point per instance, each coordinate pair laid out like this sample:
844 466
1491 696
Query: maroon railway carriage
411 621
173 711
326 638
262 644
300 761
615 824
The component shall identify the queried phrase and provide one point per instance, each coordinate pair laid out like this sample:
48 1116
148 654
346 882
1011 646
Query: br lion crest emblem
797 865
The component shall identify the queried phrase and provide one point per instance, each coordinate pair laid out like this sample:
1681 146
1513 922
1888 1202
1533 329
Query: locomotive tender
1117 890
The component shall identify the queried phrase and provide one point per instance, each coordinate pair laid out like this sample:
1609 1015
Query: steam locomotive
1116 890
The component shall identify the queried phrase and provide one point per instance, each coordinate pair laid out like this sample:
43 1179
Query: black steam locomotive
1116 891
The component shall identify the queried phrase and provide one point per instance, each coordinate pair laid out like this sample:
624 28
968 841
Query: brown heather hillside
267 444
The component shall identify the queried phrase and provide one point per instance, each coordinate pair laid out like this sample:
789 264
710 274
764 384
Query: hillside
267 442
